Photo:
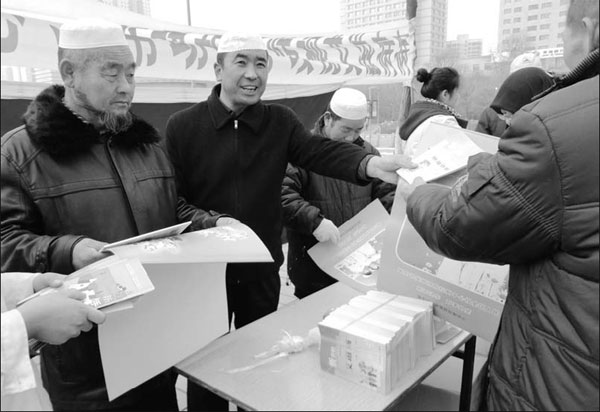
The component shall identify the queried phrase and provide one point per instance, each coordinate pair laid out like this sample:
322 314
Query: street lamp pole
189 15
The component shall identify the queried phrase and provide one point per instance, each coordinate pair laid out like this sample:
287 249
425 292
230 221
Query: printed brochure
354 260
106 282
470 295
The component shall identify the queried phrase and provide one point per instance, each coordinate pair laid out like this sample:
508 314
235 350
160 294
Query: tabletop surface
296 381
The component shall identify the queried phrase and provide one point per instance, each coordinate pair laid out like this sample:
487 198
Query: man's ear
67 70
218 70
592 31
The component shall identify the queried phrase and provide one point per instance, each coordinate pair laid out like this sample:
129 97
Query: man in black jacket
230 153
314 205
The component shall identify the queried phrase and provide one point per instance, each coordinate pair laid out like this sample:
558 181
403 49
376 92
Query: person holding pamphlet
314 205
534 205
230 153
53 318
440 89
83 172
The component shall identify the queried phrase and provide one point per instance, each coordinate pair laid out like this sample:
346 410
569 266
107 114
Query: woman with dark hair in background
440 89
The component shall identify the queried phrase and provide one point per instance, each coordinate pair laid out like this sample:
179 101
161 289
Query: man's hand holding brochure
449 155
445 151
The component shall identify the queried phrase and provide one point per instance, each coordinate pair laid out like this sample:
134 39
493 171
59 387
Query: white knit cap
90 33
232 42
528 59
349 104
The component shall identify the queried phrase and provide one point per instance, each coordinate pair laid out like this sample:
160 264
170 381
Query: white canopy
175 62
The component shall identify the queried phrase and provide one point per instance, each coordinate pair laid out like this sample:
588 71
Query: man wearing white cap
230 154
81 172
314 205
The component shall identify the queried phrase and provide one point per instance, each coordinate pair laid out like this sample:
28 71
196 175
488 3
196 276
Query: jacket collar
252 116
55 129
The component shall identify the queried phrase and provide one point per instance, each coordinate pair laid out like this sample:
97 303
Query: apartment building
136 6
531 24
464 47
430 23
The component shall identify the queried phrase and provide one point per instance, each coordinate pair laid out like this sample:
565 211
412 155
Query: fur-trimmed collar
55 129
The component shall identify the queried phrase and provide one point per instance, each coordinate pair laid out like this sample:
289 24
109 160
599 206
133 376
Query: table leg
468 357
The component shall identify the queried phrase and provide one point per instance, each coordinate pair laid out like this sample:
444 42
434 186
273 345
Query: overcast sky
477 18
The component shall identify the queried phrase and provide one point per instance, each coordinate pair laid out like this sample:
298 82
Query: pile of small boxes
375 338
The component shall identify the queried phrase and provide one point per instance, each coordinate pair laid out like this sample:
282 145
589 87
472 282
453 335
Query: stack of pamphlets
375 338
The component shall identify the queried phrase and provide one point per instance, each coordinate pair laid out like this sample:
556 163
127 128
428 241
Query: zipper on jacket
107 146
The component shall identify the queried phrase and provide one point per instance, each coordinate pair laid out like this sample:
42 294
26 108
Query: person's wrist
26 314
371 167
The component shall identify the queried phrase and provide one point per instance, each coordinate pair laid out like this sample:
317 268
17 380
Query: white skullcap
232 42
89 33
529 59
349 104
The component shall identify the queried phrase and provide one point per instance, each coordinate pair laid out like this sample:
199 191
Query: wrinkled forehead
251 54
114 56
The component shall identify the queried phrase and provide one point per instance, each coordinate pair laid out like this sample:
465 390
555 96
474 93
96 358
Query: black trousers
156 394
247 301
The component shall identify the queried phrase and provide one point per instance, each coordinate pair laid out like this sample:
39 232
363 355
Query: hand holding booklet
109 284
354 260
446 157
444 150
106 282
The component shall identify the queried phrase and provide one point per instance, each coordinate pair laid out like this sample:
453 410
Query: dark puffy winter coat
534 206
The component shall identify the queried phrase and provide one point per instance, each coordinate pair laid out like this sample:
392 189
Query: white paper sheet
470 295
449 154
235 243
164 232
186 311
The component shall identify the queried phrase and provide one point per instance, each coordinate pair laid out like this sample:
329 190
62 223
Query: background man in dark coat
314 205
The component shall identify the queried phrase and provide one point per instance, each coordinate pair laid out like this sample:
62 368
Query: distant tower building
528 25
465 48
371 15
136 6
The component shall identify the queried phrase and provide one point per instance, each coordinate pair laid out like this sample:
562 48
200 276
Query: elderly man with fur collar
81 172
